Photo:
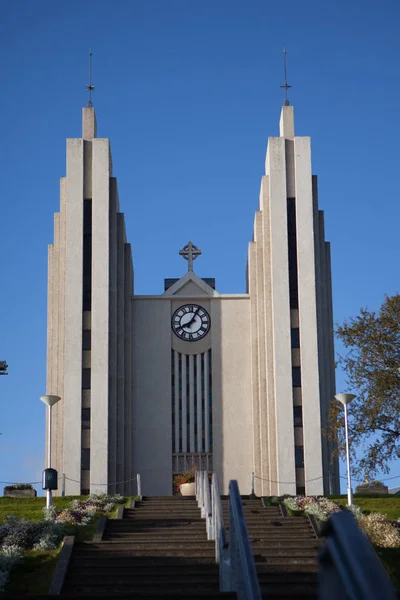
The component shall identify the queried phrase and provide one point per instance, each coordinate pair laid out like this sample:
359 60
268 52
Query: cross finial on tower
190 252
285 86
90 86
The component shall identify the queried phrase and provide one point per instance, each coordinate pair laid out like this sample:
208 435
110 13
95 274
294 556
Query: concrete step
159 531
112 588
284 551
138 538
146 570
129 550
285 563
121 592
290 590
155 595
163 522
140 562
283 570
293 577
118 543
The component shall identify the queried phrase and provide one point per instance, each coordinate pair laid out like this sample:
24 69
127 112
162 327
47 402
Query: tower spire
90 86
285 86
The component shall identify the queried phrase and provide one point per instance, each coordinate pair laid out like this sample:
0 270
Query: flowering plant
321 507
81 512
380 530
188 477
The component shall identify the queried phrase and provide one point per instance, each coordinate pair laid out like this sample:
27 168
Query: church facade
190 378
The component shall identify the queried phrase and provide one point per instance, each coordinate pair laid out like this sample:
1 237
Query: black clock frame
193 307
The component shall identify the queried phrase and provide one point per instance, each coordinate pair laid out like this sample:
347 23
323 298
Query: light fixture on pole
345 399
49 482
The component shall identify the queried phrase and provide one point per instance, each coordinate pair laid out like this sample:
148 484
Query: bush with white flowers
18 535
380 530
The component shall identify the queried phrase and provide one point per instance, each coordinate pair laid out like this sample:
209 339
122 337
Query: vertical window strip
86 335
192 388
177 403
206 403
173 406
184 405
203 422
199 416
210 401
180 402
188 407
195 417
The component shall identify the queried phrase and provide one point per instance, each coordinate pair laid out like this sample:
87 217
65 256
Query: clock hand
194 317
191 321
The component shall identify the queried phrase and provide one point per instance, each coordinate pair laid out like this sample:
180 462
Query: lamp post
49 401
345 399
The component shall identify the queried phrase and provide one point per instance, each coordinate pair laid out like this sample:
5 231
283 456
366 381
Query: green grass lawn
33 575
386 505
31 508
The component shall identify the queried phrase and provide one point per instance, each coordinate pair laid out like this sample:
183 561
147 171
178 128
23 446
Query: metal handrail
348 565
218 533
237 571
243 573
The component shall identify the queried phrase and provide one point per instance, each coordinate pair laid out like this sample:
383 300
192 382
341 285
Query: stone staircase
158 550
284 548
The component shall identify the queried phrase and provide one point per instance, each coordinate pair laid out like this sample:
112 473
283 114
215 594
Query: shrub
8 557
316 510
25 534
81 512
356 510
291 504
181 478
19 486
380 530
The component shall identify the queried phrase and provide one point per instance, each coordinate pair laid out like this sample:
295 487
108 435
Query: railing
244 579
348 565
185 461
237 571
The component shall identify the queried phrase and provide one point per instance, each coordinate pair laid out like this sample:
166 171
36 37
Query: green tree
372 367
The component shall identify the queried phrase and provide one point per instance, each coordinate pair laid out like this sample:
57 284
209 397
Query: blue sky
188 93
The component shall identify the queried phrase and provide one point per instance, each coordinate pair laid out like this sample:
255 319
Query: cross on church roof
190 252
90 86
285 86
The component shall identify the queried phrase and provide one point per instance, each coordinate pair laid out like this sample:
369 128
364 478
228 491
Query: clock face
191 322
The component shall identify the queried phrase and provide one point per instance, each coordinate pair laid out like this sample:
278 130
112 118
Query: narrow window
85 418
299 456
295 335
87 340
298 416
85 458
296 377
86 379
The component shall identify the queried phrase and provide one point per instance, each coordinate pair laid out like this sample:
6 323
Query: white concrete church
235 383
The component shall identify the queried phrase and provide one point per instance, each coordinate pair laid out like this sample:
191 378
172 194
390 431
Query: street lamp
3 367
345 399
48 485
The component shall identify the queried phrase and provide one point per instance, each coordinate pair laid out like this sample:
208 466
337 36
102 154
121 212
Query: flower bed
20 535
381 531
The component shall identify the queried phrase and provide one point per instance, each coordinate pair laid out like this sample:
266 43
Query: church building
191 378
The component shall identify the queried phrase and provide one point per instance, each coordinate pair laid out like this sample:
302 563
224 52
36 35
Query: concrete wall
313 465
151 414
71 398
153 340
